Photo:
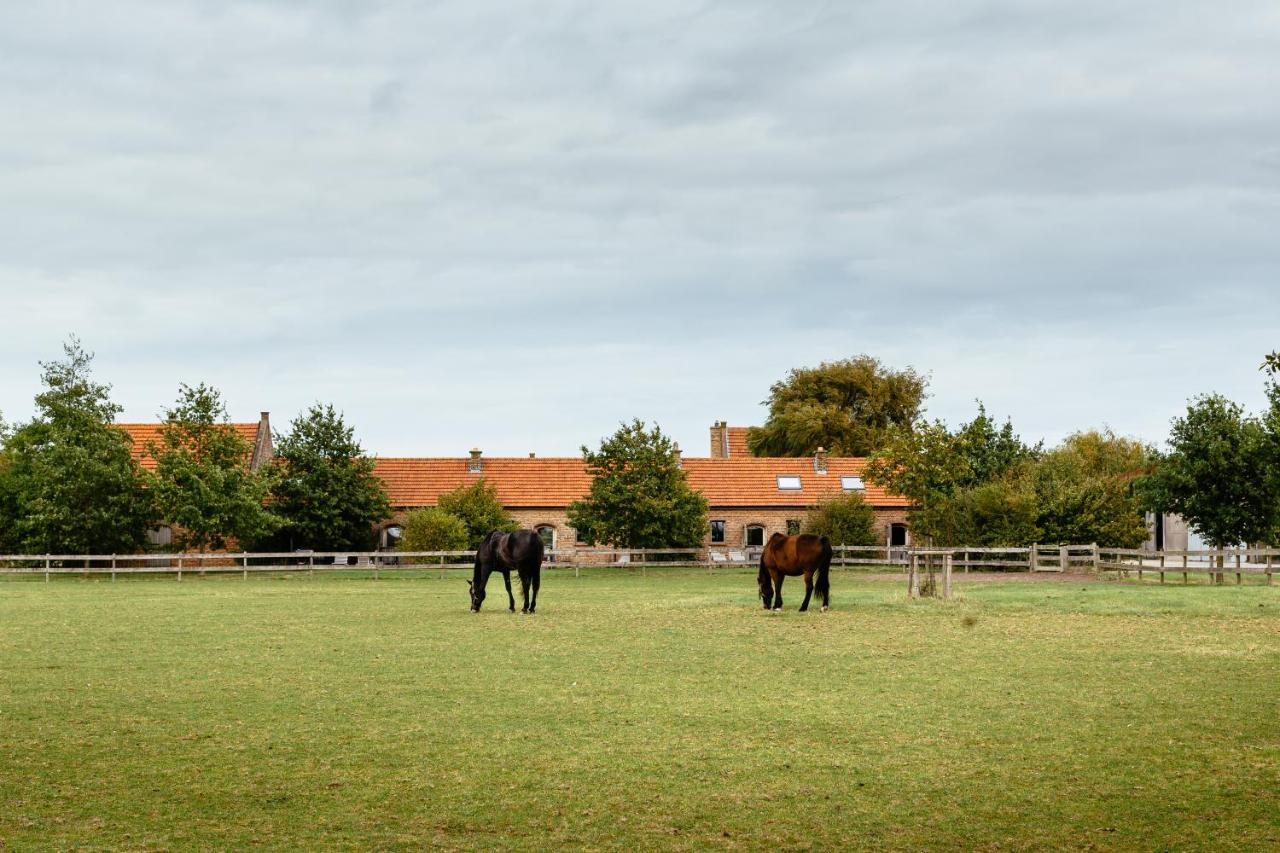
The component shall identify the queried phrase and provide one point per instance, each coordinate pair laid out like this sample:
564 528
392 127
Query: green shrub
846 520
433 530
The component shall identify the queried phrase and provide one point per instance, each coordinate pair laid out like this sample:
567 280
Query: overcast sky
513 224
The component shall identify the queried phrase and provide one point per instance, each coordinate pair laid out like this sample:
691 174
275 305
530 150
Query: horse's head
477 596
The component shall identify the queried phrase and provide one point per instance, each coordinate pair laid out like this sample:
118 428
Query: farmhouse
750 497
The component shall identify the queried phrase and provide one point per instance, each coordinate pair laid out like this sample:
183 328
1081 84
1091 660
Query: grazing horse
502 552
789 556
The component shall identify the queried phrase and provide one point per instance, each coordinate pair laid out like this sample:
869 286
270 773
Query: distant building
750 498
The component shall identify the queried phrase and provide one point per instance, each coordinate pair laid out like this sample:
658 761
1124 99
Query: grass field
658 712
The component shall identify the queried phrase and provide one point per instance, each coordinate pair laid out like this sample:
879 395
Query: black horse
502 552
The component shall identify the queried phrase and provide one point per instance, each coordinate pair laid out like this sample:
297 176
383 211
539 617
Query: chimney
263 451
532 455
720 440
475 465
679 454
820 460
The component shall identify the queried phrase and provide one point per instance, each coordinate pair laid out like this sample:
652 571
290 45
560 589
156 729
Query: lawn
636 712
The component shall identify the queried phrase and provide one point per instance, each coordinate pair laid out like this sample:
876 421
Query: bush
846 520
478 508
433 530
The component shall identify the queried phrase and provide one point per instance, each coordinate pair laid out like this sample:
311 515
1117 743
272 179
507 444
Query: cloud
591 212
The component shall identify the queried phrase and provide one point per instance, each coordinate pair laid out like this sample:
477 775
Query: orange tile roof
556 481
143 434
738 442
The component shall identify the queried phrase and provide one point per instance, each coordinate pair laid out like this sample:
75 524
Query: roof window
789 483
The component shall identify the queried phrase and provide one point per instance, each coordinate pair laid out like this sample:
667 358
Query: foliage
845 520
433 530
324 486
1083 491
930 465
1002 512
71 484
848 407
1221 472
477 506
203 483
639 497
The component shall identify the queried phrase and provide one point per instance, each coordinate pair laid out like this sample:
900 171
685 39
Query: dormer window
852 484
788 483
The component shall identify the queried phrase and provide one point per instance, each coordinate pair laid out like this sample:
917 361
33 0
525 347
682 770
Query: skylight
852 484
788 483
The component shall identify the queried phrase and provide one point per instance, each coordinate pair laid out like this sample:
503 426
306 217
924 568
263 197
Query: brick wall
737 519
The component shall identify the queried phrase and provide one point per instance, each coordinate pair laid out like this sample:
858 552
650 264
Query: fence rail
1052 558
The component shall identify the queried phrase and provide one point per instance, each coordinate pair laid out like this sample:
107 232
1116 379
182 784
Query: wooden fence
1215 563
1043 558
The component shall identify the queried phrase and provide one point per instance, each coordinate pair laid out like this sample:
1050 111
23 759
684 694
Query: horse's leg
511 599
808 589
778 577
524 589
536 582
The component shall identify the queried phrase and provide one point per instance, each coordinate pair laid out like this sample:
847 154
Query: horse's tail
823 584
764 582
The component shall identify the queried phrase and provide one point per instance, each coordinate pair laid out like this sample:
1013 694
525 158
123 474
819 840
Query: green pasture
657 712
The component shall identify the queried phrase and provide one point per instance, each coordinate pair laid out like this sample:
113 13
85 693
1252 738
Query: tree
203 484
478 508
998 513
639 497
324 486
433 530
845 520
848 407
72 484
1084 491
1219 474
929 464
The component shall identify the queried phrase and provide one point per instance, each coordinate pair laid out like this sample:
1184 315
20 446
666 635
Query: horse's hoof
824 608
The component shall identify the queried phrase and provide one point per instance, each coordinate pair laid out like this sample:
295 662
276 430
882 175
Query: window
547 534
793 526
717 532
580 536
160 536
754 536
391 537
789 482
852 484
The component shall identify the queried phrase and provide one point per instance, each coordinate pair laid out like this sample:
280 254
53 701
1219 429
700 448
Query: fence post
179 568
244 564
1031 557
913 577
946 575
1097 559
46 568
113 567
1064 559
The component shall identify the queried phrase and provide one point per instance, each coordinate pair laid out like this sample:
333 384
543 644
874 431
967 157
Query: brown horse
790 556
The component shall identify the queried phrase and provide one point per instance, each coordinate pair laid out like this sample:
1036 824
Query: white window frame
746 535
845 480
799 484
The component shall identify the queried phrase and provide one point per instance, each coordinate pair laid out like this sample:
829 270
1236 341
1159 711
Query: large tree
203 484
848 407
1219 474
71 482
639 497
324 486
1084 490
929 464
478 508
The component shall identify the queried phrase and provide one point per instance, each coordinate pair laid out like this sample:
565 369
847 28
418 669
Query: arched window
754 536
547 534
391 537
